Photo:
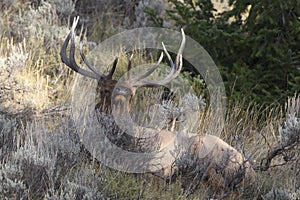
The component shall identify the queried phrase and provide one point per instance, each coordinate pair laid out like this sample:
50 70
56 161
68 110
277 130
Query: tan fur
217 163
223 168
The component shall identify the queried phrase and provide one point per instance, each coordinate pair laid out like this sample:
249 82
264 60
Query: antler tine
147 73
129 67
90 66
70 61
93 69
63 52
168 56
174 72
173 67
113 69
179 54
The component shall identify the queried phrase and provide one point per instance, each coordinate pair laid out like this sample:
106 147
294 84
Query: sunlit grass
33 77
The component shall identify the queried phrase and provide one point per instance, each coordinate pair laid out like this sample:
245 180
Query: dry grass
36 87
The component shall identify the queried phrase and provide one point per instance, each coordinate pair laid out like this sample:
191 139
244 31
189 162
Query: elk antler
70 60
135 82
174 72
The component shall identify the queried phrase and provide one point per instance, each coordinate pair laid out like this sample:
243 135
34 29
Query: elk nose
119 99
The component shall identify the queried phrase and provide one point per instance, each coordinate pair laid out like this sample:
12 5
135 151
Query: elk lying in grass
212 159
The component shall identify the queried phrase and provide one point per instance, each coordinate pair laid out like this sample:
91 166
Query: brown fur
207 158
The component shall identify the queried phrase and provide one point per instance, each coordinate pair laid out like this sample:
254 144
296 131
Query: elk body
206 157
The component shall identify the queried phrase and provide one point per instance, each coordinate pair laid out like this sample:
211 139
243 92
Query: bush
40 153
257 52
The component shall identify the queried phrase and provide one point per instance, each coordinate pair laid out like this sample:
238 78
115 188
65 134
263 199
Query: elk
208 156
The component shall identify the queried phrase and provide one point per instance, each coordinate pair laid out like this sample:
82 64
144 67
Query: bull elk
220 165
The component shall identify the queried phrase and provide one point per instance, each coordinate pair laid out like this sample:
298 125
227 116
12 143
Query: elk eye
117 89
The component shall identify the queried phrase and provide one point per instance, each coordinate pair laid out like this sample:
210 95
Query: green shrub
258 53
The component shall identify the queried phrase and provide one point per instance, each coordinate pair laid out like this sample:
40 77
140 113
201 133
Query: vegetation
255 44
40 153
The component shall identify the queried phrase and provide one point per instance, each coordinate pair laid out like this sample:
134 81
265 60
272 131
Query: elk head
218 165
113 92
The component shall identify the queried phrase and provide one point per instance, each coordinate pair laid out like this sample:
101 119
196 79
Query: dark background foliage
255 44
257 52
